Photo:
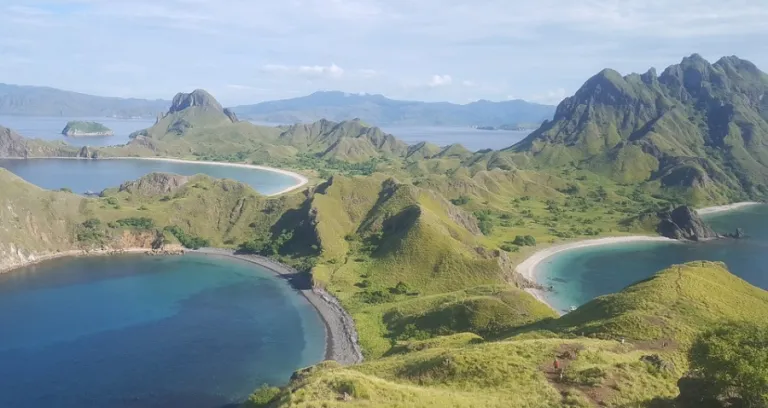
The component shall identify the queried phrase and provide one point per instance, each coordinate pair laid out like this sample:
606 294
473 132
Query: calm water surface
470 138
580 275
95 175
136 331
49 128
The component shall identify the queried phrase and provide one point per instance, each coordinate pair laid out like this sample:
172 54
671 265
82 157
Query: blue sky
253 50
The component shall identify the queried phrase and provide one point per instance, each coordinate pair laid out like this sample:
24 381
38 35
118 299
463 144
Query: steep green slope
657 317
699 127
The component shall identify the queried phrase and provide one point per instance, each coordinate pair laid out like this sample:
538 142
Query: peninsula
78 128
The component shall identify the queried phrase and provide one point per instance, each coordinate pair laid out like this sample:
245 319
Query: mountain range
44 101
698 127
380 111
333 106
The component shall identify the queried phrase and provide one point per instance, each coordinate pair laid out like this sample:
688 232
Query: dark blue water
580 275
96 175
136 331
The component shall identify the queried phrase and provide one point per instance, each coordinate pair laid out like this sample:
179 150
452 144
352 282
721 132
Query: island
78 128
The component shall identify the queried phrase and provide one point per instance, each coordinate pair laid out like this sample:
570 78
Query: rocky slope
698 126
684 223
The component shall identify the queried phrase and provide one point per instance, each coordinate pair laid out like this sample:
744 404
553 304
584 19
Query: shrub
730 362
462 200
526 240
510 248
486 227
65 189
188 241
262 397
136 222
400 289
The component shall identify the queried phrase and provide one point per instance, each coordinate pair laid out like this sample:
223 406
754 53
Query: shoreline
527 268
341 340
724 208
76 253
301 181
341 344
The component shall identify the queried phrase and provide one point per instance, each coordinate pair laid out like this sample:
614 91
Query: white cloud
310 71
440 80
551 97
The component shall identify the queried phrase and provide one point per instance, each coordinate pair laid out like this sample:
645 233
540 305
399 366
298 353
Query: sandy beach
723 208
300 180
341 336
528 267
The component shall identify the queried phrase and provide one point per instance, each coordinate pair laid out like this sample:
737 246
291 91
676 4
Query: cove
95 175
580 275
137 331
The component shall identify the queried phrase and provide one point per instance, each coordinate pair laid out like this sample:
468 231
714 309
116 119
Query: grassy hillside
658 317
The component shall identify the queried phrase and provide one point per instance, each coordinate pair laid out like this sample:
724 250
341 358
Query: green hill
657 317
699 128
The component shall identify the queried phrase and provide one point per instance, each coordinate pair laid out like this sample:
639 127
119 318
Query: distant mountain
44 101
698 126
379 110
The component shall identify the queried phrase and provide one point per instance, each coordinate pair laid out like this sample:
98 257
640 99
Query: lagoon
95 175
137 331
580 275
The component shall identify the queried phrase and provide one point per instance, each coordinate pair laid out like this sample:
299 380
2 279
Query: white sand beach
301 180
528 267
723 208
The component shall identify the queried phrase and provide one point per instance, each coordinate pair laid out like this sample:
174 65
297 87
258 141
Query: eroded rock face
683 223
198 97
155 184
12 144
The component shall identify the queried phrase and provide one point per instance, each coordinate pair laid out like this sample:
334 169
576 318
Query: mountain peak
198 97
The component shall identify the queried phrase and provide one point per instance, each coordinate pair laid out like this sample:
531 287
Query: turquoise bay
580 275
95 175
127 331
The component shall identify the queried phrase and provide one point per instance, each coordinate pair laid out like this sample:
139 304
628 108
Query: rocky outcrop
12 144
231 115
155 184
86 129
684 223
197 98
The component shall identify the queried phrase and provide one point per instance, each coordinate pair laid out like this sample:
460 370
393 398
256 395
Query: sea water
82 176
138 331
580 275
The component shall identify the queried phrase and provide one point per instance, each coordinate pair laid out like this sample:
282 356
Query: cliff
683 223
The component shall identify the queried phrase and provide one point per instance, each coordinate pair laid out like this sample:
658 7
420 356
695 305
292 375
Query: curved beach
341 336
300 180
528 267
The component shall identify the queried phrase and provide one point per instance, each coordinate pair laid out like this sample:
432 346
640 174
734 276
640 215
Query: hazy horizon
247 52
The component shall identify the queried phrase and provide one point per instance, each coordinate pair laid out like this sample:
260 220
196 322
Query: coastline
724 208
341 342
527 268
73 253
301 181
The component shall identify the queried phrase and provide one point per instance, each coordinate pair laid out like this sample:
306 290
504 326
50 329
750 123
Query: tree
730 363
